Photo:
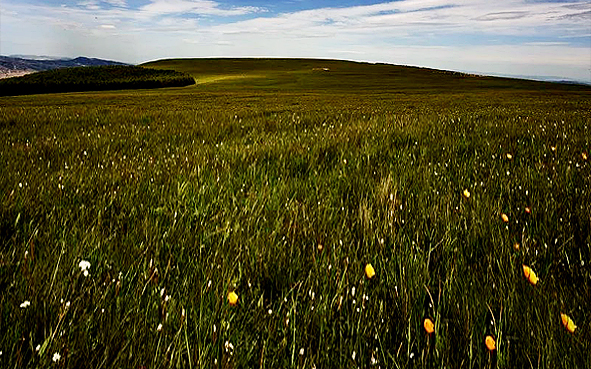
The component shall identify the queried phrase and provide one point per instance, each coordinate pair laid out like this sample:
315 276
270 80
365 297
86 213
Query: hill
93 79
11 64
337 75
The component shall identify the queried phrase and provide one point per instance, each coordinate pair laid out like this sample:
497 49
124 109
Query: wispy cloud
117 3
502 16
203 7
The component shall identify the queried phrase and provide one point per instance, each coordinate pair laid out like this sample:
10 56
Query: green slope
337 75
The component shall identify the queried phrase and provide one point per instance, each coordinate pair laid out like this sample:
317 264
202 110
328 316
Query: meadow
127 219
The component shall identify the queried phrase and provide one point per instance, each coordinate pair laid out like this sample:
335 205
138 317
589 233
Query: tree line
93 79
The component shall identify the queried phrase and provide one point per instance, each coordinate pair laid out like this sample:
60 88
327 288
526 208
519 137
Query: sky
537 38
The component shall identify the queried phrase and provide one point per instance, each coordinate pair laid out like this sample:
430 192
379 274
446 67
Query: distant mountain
552 79
12 66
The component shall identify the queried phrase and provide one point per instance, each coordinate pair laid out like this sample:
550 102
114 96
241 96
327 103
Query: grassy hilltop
127 218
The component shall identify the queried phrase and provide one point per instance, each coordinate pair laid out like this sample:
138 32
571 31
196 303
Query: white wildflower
25 304
302 351
373 360
229 347
84 266
159 327
56 357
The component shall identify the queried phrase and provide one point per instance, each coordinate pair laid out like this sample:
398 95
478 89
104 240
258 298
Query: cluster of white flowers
25 304
84 266
56 357
229 347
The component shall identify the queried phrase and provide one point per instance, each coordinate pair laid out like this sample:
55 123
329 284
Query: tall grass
178 198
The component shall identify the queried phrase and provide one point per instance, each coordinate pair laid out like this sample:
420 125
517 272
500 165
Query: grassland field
127 218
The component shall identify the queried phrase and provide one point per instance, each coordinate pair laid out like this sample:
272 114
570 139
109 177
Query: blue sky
507 37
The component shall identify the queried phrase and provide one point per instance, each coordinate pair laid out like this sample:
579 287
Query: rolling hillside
338 76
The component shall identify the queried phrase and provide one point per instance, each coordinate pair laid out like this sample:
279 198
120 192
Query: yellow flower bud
232 298
568 323
429 325
490 343
530 275
369 271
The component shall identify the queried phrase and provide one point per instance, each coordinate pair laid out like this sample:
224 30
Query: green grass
280 181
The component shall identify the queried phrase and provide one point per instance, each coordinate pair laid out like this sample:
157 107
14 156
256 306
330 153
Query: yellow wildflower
369 271
490 343
429 325
530 275
568 323
232 298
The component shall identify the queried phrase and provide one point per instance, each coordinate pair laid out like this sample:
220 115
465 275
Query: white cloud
204 7
503 16
118 3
